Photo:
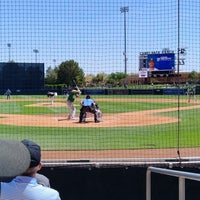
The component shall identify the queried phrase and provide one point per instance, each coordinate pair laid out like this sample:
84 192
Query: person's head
35 155
151 64
73 90
88 97
14 158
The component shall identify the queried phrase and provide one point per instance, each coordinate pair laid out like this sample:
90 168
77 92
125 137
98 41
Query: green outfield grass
154 136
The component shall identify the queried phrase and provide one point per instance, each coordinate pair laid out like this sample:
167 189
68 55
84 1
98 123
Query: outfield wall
21 76
162 91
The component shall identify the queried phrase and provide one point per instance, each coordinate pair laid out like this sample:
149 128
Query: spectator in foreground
14 158
43 180
25 186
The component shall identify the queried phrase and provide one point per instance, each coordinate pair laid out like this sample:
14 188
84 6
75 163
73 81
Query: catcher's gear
94 109
98 113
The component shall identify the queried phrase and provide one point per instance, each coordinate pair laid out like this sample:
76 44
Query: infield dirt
139 118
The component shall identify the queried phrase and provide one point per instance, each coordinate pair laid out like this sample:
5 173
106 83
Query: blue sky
91 32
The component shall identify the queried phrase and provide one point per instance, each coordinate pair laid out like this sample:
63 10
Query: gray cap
14 158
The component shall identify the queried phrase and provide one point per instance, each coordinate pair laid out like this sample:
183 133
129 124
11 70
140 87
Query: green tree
51 76
193 76
100 79
88 80
114 79
69 71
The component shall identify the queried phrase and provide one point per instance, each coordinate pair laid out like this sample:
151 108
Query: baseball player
88 105
52 95
70 102
98 112
191 93
8 93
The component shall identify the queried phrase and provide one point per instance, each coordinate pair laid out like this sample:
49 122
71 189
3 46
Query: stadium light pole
9 46
36 52
54 60
124 10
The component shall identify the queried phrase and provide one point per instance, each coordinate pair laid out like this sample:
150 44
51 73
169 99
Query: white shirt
27 188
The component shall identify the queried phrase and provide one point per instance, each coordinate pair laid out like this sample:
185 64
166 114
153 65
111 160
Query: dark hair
88 97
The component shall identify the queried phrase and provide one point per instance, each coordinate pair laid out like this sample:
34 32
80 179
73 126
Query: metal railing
181 175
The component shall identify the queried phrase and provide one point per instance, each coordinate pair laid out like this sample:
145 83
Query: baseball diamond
138 118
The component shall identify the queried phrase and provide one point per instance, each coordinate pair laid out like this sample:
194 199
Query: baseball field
132 126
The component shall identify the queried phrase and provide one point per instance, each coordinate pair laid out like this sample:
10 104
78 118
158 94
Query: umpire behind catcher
88 105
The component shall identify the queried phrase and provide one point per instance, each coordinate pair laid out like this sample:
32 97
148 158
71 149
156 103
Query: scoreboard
152 64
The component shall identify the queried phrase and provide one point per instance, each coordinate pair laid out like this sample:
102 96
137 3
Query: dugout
21 76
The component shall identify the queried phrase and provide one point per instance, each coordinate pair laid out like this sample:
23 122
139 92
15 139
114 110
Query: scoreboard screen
157 63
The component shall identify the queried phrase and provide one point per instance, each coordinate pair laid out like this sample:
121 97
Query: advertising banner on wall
143 73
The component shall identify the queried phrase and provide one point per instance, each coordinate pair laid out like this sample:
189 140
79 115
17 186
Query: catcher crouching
88 105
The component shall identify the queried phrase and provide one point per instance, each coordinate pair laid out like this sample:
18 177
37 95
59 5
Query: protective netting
104 49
